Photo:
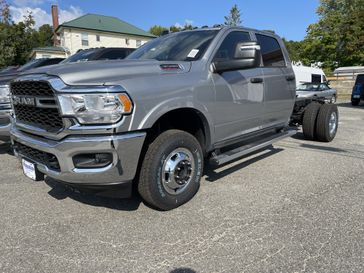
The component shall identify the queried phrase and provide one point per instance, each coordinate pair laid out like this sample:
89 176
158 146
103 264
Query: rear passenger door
279 83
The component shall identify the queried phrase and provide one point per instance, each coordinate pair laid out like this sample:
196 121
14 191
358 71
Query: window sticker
193 53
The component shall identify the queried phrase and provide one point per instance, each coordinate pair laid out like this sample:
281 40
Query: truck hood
102 72
6 78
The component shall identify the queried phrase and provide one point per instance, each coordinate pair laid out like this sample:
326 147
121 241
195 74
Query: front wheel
171 170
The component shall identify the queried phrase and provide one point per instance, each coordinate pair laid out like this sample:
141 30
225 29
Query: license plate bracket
30 170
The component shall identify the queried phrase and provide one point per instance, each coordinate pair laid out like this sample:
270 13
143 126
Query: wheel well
185 119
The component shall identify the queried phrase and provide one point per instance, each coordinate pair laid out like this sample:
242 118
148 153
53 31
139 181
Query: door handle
290 78
256 80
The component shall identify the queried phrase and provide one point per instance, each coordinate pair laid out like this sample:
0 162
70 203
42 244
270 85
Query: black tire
355 102
323 130
309 120
151 186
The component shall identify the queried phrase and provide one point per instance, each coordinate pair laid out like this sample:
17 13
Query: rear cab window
272 53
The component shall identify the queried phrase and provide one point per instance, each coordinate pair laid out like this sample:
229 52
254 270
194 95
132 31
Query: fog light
87 161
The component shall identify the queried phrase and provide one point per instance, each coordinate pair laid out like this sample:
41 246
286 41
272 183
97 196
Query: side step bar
234 154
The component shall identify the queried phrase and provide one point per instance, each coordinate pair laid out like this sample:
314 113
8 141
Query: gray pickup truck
206 96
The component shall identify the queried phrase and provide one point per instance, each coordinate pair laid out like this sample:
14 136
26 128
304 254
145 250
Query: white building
49 52
92 30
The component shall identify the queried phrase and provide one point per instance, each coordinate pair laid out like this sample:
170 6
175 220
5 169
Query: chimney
55 24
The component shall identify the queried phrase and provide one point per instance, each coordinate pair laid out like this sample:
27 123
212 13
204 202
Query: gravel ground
296 208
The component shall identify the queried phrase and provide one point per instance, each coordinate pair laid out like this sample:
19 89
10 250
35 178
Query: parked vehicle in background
306 74
212 93
5 78
97 54
8 69
358 90
316 91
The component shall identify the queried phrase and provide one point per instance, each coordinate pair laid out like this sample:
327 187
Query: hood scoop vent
171 67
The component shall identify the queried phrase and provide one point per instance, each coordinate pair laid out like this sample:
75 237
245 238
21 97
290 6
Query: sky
288 18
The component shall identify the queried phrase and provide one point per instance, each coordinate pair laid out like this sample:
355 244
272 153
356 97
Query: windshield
308 87
181 46
82 56
360 79
29 65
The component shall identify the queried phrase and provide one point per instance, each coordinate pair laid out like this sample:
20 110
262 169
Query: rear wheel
171 170
355 102
327 122
309 120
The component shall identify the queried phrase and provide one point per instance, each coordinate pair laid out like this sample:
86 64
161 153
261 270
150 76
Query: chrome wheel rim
333 123
177 171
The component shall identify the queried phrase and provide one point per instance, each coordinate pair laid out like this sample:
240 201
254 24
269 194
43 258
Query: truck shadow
348 105
212 175
5 147
183 270
60 191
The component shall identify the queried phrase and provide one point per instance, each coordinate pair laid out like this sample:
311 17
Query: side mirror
247 55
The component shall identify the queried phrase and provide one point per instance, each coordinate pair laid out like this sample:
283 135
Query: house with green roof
92 30
49 52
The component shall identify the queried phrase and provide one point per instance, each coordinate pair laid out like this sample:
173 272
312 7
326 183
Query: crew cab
153 120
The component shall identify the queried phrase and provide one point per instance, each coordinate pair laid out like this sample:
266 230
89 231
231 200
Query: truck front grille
31 88
37 156
46 117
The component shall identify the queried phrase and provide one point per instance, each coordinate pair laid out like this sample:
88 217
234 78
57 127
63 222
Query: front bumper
125 148
5 122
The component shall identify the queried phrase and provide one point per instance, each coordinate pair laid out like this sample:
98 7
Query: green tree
234 18
18 39
294 49
5 16
157 30
337 39
43 37
174 29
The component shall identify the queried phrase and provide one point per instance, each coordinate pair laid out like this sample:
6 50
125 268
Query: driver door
239 94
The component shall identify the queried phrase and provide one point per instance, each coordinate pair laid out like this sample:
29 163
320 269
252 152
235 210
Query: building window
84 39
127 42
62 39
138 43
97 38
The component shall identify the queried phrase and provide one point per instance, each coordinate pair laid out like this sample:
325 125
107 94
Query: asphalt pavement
298 207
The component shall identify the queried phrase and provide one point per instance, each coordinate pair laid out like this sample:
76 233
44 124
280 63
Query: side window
228 46
113 55
323 87
271 51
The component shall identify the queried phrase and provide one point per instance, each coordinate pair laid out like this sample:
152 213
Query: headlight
96 108
4 94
